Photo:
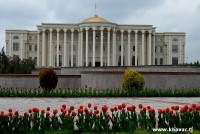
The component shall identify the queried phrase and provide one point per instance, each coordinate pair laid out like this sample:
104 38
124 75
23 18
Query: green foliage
48 79
99 93
132 80
14 65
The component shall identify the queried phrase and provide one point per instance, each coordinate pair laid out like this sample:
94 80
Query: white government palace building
96 42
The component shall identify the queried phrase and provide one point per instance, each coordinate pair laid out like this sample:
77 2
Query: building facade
96 42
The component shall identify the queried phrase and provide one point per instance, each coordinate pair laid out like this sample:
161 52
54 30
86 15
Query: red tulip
16 113
74 113
48 108
80 111
47 114
97 116
140 106
96 111
120 107
80 107
123 110
186 107
42 111
113 120
90 113
167 110
25 114
55 111
85 110
107 115
104 108
89 105
53 116
69 111
123 105
10 110
173 115
182 110
134 107
194 105
30 110
66 115
148 107
112 109
64 106
72 108
190 109
115 108
176 108
10 114
95 107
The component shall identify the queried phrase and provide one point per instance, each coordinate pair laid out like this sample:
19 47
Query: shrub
132 80
48 79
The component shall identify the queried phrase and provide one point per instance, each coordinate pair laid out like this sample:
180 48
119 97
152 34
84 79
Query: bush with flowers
96 120
132 80
48 79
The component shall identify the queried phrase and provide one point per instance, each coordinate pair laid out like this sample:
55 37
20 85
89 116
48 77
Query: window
133 60
156 49
133 49
161 61
174 60
16 37
156 61
60 48
30 47
30 37
55 60
35 47
35 37
15 46
104 48
60 60
175 48
175 39
35 60
119 60
161 49
119 47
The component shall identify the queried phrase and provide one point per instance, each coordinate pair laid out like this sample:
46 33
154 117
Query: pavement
23 104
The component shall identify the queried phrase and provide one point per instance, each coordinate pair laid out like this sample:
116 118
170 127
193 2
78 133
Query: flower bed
99 119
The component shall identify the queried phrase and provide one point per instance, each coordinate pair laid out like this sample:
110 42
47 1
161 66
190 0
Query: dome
93 19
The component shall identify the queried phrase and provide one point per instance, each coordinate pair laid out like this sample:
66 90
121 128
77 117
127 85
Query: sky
166 15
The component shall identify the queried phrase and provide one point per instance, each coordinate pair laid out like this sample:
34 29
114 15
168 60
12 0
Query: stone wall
110 77
32 81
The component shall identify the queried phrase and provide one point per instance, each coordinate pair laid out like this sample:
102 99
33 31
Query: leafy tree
14 65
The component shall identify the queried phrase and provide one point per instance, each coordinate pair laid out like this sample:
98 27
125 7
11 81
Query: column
136 54
94 46
101 51
149 49
143 47
180 51
169 51
114 47
11 45
81 48
57 44
43 47
154 45
51 49
86 48
65 48
22 47
108 50
72 47
122 47
38 48
129 47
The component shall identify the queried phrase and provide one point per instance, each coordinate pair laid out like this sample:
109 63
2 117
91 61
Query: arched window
16 37
175 39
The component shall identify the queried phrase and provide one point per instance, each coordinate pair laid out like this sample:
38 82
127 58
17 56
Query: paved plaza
23 104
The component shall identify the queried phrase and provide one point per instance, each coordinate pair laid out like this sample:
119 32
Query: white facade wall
87 44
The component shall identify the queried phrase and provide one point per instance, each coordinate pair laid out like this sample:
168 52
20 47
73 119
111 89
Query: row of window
174 61
60 60
174 49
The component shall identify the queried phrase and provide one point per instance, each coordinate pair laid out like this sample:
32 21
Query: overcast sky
166 15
